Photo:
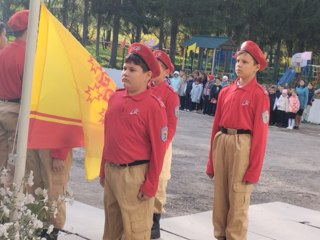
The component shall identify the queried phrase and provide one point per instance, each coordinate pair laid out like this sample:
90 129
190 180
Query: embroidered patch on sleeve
164 134
265 116
176 111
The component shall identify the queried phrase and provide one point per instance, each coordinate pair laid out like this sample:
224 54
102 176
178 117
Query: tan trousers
165 175
54 182
8 123
126 217
231 195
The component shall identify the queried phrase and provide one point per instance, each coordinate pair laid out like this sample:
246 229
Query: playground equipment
300 65
287 76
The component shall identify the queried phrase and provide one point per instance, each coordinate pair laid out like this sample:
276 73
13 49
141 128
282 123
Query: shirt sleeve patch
164 134
265 116
176 111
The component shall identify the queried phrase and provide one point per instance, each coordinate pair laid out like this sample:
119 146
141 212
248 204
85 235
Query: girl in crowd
282 108
196 93
293 108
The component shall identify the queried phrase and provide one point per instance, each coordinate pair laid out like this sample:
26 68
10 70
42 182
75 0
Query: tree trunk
114 48
276 62
98 35
173 39
138 36
161 35
85 23
65 12
200 59
108 37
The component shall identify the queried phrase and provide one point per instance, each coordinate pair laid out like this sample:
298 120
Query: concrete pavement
269 221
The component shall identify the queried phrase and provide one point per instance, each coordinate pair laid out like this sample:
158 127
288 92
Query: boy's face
246 67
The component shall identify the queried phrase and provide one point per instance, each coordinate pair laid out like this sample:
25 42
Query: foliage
32 214
281 28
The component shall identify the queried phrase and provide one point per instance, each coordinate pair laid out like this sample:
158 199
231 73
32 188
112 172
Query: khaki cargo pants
8 123
54 182
165 175
126 217
231 195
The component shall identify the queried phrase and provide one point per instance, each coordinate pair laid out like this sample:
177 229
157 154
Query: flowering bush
33 212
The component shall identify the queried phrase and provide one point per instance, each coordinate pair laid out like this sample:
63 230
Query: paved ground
290 173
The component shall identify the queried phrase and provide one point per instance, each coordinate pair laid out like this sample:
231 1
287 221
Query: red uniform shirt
245 108
11 69
136 129
171 100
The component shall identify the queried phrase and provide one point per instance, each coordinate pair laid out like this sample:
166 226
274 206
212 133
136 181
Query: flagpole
20 164
213 61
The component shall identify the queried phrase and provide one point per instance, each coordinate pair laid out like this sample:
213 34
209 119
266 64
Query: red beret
146 55
210 77
19 21
164 58
253 49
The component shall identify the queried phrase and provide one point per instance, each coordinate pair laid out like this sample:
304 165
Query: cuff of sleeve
250 179
209 168
148 189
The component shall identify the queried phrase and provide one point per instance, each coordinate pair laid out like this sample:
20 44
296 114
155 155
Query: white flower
29 199
33 209
2 192
38 191
3 230
37 224
6 211
50 229
30 179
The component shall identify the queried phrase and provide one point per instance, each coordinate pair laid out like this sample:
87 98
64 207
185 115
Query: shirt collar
139 96
248 86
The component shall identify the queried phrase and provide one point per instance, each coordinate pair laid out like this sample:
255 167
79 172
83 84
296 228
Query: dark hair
2 27
18 34
163 65
137 60
244 51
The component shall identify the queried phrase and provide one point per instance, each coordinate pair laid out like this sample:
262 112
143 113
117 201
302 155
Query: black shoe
296 127
155 230
52 236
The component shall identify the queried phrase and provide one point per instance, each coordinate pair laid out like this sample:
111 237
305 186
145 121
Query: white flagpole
20 163
213 61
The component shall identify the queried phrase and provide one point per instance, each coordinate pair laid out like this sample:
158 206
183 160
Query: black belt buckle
117 164
134 163
231 131
15 100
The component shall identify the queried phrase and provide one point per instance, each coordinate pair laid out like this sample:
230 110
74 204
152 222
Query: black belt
135 163
234 131
15 100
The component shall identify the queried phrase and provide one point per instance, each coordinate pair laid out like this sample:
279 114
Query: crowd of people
198 92
290 106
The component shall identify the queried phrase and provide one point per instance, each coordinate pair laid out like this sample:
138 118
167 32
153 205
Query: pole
213 59
184 58
20 164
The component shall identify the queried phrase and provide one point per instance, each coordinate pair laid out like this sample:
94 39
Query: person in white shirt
175 81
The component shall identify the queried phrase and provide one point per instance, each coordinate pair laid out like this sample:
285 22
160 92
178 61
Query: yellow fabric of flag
192 47
70 94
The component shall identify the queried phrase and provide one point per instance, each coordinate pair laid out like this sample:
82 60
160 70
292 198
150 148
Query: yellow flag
192 47
70 94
